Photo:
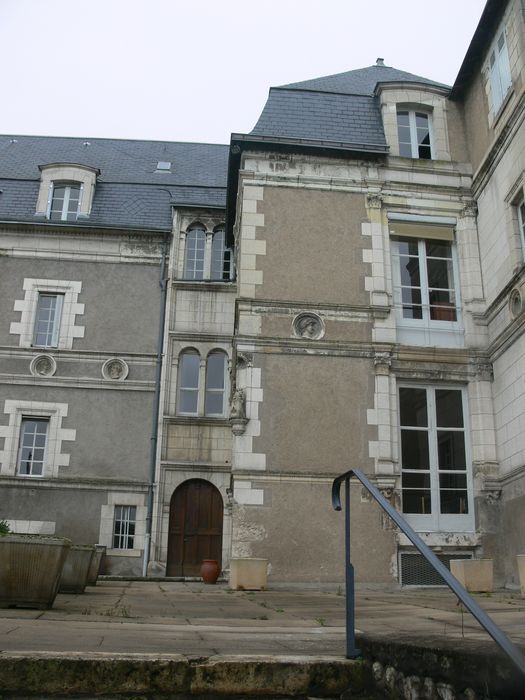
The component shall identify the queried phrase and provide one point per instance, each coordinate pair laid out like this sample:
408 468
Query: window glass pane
189 369
451 450
215 371
194 254
188 401
453 501
438 249
214 403
414 449
413 407
412 480
402 118
406 246
217 255
417 501
409 268
449 408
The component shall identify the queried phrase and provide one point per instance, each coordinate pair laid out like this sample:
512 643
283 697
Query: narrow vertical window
65 202
221 257
188 372
500 78
32 448
521 223
194 255
215 384
433 456
47 320
124 527
413 129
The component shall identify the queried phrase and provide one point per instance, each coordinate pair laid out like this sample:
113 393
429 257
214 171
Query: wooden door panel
195 527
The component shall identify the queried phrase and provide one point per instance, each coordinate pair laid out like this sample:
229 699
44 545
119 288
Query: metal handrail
470 604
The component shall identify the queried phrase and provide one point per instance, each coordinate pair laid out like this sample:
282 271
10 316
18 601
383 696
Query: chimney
380 61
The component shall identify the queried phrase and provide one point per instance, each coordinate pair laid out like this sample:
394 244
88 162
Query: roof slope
130 193
334 111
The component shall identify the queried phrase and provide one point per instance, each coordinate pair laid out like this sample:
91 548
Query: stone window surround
70 309
84 175
107 519
55 458
204 352
428 99
210 230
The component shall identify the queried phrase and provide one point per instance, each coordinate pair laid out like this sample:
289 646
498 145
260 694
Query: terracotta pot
210 570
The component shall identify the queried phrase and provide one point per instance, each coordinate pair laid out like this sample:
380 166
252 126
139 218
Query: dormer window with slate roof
66 191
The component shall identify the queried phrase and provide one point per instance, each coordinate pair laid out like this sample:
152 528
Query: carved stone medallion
115 369
309 326
43 366
515 303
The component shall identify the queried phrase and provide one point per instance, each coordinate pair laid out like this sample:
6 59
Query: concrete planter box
94 568
30 569
76 568
521 572
248 574
474 574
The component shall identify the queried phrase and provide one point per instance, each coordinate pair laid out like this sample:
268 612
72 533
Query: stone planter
248 574
521 572
76 568
474 574
30 569
94 567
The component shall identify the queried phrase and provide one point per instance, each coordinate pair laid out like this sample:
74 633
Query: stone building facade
343 287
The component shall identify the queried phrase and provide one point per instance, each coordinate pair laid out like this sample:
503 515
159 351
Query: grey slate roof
335 110
129 193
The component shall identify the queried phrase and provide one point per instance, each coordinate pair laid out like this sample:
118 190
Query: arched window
193 375
188 376
195 253
221 256
214 404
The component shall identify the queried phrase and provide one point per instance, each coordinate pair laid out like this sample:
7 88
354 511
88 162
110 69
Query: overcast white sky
197 70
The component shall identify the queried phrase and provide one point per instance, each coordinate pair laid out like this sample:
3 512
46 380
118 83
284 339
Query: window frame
202 387
65 213
53 336
520 209
124 536
435 520
25 421
441 332
199 261
412 113
499 73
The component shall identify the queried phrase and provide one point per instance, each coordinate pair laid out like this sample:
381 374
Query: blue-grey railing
470 604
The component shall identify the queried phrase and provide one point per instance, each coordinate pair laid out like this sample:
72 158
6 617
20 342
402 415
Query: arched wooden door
195 527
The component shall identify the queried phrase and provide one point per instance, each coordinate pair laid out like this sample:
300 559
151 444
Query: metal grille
416 571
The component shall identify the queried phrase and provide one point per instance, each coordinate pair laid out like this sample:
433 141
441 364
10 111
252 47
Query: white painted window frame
435 521
25 420
187 272
68 330
413 130
499 70
202 388
126 522
54 458
107 522
53 335
67 196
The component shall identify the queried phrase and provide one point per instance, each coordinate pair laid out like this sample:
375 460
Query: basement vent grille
416 571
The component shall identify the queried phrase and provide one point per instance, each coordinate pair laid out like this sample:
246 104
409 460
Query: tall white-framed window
194 374
425 279
499 70
65 201
195 253
436 476
33 443
47 320
414 134
221 256
521 223
189 381
124 523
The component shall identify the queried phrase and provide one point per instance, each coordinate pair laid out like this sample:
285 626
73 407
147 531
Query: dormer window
66 191
413 130
65 201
